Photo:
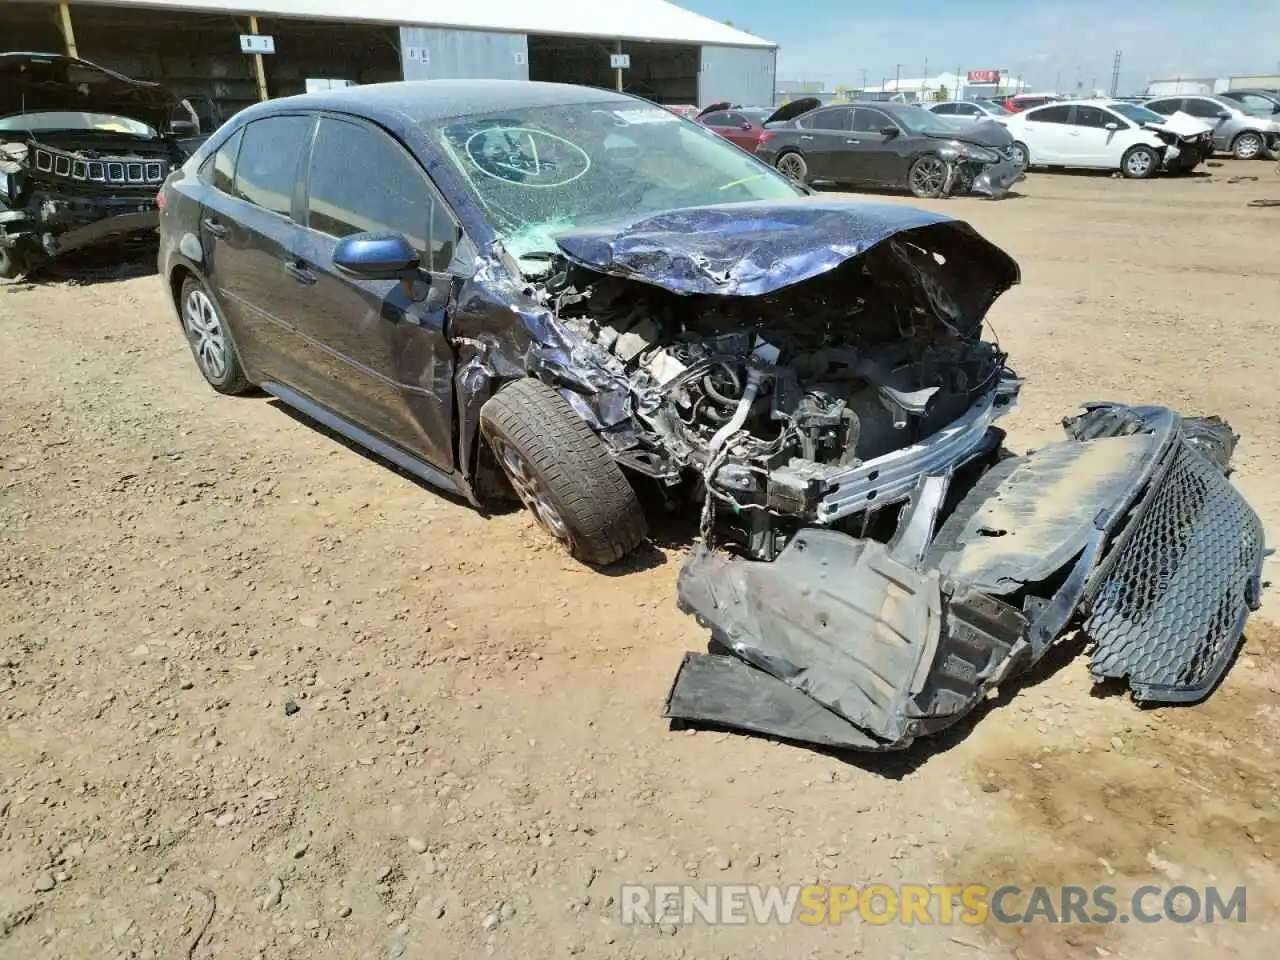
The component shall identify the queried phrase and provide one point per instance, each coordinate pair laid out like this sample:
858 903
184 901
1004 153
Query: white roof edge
632 20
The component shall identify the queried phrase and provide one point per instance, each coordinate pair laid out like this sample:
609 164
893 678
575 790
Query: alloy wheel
792 165
530 489
204 331
1138 163
928 176
1248 146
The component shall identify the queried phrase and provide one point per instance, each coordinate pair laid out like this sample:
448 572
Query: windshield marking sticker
511 154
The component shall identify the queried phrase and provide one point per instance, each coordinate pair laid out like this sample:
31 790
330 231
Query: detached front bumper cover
1128 529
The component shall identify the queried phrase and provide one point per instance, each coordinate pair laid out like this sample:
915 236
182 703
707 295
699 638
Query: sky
1048 42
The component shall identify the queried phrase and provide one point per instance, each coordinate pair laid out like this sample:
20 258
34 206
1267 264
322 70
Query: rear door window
1205 109
341 201
832 118
1050 115
219 171
1165 107
718 119
946 109
266 170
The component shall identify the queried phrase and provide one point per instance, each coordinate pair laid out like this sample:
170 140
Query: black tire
226 375
562 472
794 159
927 177
1249 145
1025 162
1139 163
13 262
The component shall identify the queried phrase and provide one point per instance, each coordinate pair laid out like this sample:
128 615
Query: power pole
897 78
864 78
1115 74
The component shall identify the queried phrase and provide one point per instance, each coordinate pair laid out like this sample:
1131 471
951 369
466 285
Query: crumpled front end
54 200
995 180
1128 530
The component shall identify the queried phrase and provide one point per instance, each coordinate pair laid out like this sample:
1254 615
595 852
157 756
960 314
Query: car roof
424 101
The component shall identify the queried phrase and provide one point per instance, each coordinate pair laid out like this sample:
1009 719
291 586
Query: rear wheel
13 261
1022 155
210 343
1248 146
562 472
927 177
1139 162
792 164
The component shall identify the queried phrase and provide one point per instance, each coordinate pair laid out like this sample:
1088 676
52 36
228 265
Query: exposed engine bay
783 404
82 153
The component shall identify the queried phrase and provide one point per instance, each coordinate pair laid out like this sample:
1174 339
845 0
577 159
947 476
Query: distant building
1185 85
944 86
1265 81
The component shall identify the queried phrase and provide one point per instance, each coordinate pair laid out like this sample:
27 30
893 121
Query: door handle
299 272
214 227
851 140
806 136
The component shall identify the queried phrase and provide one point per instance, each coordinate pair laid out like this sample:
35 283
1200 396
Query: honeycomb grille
1169 614
151 172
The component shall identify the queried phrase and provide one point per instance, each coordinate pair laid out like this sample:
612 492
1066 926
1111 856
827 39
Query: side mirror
888 132
744 126
376 256
1112 126
184 128
1224 115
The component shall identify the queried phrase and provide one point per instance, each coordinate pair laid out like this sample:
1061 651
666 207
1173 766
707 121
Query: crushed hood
983 133
52 82
1180 125
796 108
758 247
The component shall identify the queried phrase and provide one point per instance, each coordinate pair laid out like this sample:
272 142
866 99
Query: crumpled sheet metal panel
1171 610
1043 513
834 617
997 179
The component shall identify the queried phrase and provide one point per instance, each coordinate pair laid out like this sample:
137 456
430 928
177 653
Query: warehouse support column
617 73
257 62
68 35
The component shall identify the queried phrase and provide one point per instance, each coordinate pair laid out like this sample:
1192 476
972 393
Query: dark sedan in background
889 145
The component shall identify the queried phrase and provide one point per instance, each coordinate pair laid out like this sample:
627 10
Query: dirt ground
478 761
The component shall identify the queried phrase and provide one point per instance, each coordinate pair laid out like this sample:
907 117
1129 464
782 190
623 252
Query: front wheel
793 165
1022 155
562 472
1248 146
1139 163
927 177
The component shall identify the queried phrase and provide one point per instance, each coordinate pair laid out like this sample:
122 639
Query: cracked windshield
544 169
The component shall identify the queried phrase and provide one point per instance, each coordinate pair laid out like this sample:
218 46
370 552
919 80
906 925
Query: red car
1025 101
742 126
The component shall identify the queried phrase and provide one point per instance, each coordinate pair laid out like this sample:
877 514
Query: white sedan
1103 135
970 110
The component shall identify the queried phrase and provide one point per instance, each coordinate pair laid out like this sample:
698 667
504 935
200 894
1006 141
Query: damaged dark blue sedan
569 295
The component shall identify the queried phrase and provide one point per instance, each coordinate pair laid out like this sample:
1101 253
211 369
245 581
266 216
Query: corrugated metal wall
742 75
430 53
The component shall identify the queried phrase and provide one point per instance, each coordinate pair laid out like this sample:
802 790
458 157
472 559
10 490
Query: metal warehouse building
671 55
